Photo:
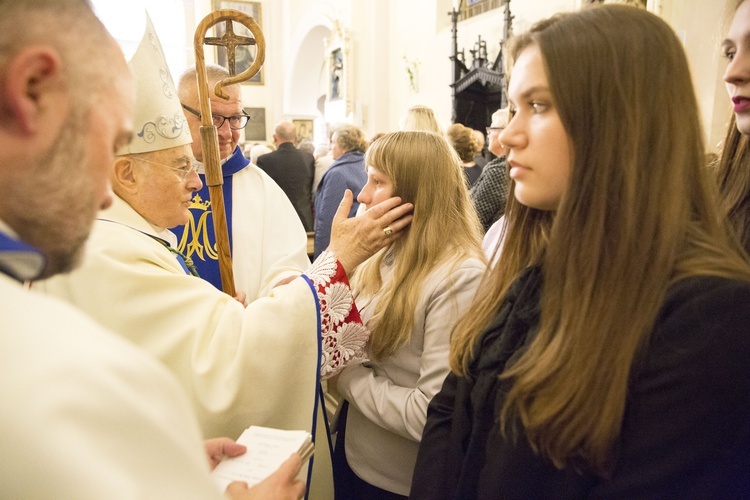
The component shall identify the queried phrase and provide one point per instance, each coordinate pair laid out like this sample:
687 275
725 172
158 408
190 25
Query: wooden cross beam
230 41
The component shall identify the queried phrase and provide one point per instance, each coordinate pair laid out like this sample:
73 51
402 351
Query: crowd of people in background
488 190
553 307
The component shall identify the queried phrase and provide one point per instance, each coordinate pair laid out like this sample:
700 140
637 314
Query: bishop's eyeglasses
236 122
186 168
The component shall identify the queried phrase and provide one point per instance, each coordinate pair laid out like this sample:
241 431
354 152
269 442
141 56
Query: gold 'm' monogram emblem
195 237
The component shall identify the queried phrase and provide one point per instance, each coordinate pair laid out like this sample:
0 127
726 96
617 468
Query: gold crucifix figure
230 41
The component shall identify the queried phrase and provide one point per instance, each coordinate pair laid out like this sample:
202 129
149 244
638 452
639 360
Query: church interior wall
390 37
418 33
306 82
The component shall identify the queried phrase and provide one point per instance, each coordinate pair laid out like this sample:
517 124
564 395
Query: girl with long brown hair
608 351
734 167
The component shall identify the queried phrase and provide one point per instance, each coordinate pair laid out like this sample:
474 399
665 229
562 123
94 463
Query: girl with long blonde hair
409 295
608 351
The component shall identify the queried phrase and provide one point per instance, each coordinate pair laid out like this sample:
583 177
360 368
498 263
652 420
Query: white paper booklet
267 449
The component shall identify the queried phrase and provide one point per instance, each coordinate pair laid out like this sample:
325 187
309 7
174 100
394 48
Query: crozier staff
209 135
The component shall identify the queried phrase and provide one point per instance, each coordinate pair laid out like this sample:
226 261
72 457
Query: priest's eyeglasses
187 168
236 122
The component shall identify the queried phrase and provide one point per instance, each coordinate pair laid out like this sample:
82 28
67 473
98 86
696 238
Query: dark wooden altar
478 89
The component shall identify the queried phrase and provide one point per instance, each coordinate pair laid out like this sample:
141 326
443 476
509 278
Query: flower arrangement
412 72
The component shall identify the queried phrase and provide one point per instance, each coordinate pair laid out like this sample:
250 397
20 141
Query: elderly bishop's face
165 182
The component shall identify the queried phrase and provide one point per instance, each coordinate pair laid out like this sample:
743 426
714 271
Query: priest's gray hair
188 82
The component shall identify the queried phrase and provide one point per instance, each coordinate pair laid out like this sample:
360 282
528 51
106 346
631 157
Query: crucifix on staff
231 42
208 131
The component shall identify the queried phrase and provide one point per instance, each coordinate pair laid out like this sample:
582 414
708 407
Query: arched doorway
307 80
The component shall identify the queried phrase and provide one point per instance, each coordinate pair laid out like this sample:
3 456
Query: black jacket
293 171
686 428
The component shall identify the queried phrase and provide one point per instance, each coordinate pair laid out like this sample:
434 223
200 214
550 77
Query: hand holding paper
217 449
267 450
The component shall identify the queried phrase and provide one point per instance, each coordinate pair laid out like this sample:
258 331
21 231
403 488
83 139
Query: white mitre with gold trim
159 122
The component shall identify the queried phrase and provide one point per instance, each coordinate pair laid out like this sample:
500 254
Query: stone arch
306 77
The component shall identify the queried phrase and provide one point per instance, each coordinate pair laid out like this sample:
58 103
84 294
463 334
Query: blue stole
185 262
196 239
19 260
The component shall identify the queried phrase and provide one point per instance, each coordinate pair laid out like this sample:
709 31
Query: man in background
292 170
490 192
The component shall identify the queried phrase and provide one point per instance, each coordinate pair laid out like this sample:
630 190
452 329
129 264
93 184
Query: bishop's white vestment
259 365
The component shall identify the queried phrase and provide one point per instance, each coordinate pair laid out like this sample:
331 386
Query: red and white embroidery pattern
343 335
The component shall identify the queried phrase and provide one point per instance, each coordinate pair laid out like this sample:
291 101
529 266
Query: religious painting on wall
304 128
338 68
337 73
244 54
256 124
473 8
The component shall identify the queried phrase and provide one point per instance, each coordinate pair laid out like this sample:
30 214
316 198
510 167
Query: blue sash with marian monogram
196 239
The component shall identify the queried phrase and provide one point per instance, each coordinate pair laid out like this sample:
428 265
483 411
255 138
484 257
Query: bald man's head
285 132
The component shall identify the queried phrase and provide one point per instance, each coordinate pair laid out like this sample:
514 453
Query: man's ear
35 94
124 177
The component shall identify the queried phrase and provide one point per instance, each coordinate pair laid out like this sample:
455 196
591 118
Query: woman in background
462 140
346 172
607 353
410 296
420 118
